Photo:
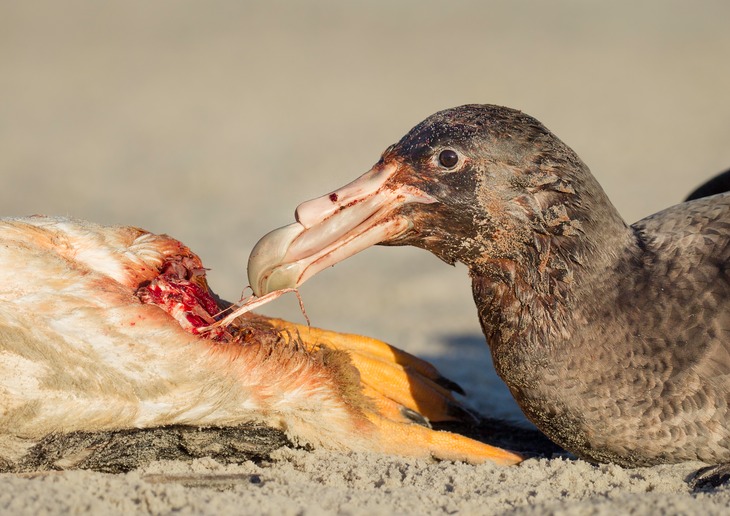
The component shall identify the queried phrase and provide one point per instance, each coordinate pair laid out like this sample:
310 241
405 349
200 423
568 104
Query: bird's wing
79 349
688 261
718 184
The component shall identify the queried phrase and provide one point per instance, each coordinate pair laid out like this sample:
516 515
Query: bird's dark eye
448 158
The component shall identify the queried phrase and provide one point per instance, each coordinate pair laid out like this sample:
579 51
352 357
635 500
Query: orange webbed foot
406 393
420 441
389 374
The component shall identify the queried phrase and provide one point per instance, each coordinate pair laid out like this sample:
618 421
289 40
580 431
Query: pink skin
326 233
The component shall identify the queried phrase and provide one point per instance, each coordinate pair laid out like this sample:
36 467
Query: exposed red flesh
181 291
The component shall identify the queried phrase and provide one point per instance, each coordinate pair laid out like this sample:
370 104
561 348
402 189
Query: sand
299 482
211 121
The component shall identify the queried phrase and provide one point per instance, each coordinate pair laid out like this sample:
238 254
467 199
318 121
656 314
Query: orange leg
388 371
404 389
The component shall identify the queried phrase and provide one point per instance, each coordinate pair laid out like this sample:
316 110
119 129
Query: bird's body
613 339
632 365
81 352
101 329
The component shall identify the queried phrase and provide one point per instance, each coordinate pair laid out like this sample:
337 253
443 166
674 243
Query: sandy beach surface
211 121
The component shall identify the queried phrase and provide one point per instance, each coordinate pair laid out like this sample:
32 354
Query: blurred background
211 121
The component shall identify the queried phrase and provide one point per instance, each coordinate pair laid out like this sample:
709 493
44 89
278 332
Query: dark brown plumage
613 338
718 184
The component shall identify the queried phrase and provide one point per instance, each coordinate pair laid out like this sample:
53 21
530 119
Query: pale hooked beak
331 228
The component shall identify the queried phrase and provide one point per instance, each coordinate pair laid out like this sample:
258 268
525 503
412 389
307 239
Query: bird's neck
533 302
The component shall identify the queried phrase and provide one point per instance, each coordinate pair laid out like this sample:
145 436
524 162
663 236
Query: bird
613 338
108 332
718 184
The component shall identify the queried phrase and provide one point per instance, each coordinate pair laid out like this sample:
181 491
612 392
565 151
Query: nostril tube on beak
311 213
